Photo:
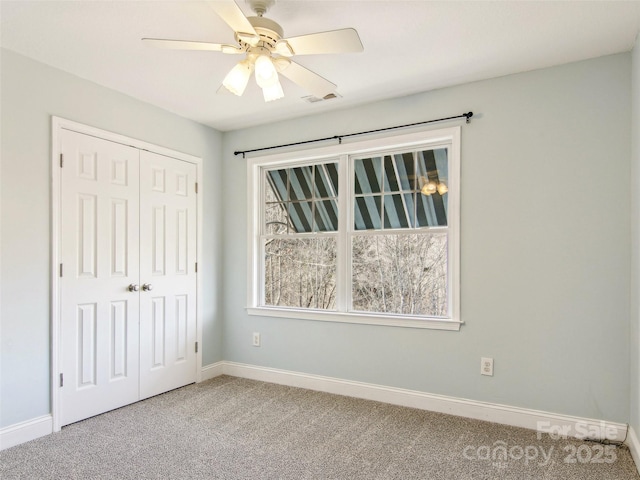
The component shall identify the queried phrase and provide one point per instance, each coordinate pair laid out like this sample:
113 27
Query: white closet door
99 255
167 273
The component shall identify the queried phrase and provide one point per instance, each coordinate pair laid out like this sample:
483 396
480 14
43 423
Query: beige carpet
231 428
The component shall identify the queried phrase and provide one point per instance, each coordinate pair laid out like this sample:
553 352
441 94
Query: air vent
314 99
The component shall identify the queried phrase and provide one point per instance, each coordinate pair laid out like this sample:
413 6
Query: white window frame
343 153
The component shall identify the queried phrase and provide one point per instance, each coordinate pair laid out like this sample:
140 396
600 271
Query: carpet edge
541 421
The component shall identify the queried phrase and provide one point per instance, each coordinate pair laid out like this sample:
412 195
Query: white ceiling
410 46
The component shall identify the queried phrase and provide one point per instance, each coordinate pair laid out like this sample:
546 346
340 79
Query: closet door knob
147 286
133 287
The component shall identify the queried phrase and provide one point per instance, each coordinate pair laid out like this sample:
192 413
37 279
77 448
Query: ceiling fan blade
345 40
310 81
188 45
232 14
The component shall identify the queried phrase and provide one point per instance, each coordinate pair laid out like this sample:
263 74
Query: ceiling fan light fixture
268 52
237 79
272 92
266 74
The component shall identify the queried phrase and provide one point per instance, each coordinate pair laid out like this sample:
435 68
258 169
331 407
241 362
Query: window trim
256 166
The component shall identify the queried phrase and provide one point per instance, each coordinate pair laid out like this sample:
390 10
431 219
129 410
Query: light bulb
429 188
442 188
237 79
272 92
266 74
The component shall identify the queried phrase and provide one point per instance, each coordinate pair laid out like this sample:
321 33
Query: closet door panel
168 232
99 247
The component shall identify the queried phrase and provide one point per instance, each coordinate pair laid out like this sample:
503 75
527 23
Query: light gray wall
545 248
31 93
634 338
545 239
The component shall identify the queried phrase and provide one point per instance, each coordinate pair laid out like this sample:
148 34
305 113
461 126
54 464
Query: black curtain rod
467 115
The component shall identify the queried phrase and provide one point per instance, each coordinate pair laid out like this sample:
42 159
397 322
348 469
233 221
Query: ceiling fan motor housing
268 30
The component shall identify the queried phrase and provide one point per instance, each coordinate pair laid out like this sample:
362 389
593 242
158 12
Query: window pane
396 212
399 172
301 183
275 219
391 183
301 216
433 173
302 198
326 180
300 272
368 174
414 186
430 211
368 213
276 187
406 170
403 274
409 200
326 216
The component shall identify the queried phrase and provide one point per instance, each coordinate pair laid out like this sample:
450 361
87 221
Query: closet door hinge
61 270
196 187
61 160
196 347
196 267
62 379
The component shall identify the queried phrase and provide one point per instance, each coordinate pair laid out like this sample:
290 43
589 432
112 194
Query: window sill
363 318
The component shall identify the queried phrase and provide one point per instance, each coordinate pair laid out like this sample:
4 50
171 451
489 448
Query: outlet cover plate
486 366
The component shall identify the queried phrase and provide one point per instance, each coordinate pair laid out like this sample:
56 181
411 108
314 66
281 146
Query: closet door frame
57 125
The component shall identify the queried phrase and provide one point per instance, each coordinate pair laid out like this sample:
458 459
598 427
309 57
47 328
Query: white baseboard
491 412
634 447
25 431
211 371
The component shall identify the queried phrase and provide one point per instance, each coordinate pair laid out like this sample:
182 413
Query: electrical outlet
256 339
486 366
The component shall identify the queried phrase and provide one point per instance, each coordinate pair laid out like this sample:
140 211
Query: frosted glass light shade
272 92
266 74
429 188
442 188
237 79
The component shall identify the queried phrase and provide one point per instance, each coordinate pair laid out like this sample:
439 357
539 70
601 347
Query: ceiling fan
267 53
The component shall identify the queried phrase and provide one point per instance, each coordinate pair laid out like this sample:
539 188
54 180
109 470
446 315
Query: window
364 232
